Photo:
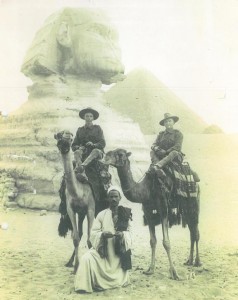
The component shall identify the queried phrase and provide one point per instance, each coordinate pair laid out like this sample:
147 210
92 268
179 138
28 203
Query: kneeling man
106 264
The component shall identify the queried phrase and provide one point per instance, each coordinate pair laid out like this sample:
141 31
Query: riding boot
167 159
159 165
95 154
159 172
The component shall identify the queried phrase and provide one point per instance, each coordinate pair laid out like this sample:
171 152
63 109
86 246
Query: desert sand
33 255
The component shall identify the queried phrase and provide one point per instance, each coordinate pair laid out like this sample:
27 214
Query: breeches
171 156
96 154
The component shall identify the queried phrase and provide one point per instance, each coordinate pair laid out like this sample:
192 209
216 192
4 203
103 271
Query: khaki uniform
169 144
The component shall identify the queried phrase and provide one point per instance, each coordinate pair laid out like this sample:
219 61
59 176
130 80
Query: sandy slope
33 256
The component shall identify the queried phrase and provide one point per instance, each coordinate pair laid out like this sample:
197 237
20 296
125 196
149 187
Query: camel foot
76 268
174 274
69 264
197 263
189 262
150 271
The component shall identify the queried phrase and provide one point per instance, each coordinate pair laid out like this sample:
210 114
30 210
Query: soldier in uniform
168 144
88 147
89 139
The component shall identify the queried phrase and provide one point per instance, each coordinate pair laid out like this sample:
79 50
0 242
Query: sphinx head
85 43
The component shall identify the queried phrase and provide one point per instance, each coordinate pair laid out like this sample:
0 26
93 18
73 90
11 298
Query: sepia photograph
118 149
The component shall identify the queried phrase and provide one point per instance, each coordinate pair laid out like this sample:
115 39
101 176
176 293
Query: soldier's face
88 117
169 123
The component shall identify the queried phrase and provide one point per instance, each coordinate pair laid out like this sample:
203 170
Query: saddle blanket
185 184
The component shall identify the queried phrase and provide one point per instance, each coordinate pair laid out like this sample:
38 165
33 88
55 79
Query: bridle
127 190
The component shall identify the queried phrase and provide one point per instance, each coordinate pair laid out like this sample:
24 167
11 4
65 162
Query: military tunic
87 134
169 140
94 134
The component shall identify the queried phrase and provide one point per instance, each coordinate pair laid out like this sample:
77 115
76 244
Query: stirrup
160 173
82 177
80 169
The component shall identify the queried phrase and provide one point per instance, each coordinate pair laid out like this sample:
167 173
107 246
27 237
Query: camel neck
130 188
69 173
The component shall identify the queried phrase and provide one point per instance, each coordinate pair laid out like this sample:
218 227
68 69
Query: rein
127 190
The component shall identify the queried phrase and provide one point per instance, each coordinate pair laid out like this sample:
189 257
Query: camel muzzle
63 146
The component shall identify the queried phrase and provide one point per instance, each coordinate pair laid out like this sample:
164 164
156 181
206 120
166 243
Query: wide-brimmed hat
169 116
88 110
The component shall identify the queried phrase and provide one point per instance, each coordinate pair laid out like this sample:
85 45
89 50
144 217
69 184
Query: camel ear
128 154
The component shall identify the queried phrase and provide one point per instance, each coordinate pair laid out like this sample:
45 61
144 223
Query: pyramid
145 99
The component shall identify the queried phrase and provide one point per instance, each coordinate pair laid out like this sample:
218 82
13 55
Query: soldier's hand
161 151
89 144
155 148
76 148
82 148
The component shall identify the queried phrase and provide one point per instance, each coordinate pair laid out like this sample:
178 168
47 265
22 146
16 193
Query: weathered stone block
10 204
48 202
12 196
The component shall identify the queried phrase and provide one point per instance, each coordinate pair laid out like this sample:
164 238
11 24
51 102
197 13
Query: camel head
116 158
64 140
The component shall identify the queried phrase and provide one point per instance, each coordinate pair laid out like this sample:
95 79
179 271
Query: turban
114 188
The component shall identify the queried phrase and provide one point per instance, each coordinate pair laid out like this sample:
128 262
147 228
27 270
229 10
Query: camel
141 192
79 196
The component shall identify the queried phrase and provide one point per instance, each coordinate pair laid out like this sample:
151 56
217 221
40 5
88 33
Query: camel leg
189 262
80 231
166 244
71 261
197 262
81 216
75 235
90 217
194 237
194 233
76 247
153 243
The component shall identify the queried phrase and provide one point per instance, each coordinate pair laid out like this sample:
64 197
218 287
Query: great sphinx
73 45
71 57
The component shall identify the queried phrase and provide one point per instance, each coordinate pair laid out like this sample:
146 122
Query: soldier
89 139
168 144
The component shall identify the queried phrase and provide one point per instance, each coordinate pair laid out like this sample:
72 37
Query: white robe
96 273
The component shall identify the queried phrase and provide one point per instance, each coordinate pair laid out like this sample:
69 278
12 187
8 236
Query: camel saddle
185 179
99 178
185 186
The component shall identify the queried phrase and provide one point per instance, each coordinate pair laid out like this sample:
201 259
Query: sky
189 45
